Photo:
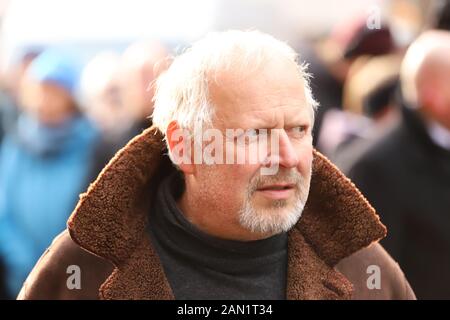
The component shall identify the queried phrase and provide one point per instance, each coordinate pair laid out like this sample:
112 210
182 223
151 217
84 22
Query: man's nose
287 156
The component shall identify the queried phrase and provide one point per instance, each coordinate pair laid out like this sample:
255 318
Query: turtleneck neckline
181 237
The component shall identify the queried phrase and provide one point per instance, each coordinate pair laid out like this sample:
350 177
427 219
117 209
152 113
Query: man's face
108 111
437 97
431 81
137 91
271 98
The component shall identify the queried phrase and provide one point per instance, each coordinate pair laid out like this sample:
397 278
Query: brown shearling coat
329 250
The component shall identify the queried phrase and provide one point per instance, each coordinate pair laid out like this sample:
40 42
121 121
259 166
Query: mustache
291 176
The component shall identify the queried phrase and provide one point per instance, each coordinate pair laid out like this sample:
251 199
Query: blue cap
56 67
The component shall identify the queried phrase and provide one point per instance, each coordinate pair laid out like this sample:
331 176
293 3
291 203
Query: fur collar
111 217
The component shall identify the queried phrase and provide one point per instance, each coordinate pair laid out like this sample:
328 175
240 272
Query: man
124 95
406 174
206 229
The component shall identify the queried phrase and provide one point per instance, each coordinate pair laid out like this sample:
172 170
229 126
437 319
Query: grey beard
276 219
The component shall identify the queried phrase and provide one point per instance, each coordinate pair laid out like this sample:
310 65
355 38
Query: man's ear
180 147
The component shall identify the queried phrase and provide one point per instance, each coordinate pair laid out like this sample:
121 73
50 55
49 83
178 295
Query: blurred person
367 75
142 63
368 106
406 175
200 230
9 112
9 92
332 58
10 109
101 96
126 96
43 164
369 109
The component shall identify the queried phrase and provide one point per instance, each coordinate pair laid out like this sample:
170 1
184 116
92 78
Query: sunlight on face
273 99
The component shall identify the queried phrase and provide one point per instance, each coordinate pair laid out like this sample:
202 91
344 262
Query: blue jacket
38 191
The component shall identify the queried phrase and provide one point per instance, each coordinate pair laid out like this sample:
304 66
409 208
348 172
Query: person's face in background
142 63
107 110
137 91
434 95
48 102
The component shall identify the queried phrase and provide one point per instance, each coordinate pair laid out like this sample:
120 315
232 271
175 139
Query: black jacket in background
406 177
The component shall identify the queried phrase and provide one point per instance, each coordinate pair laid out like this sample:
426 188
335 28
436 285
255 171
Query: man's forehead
273 71
259 94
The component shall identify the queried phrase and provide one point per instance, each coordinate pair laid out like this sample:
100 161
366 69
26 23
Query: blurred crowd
384 122
60 125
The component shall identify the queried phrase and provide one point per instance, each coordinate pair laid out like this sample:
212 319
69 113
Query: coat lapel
309 277
140 277
110 220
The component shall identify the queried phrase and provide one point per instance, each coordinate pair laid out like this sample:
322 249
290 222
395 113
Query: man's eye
300 130
253 132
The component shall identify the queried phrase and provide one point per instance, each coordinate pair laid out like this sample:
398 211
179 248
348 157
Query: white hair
182 91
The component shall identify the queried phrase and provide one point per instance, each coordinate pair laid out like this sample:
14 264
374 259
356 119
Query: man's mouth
277 191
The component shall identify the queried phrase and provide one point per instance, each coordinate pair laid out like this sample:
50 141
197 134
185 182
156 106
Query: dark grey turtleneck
200 266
